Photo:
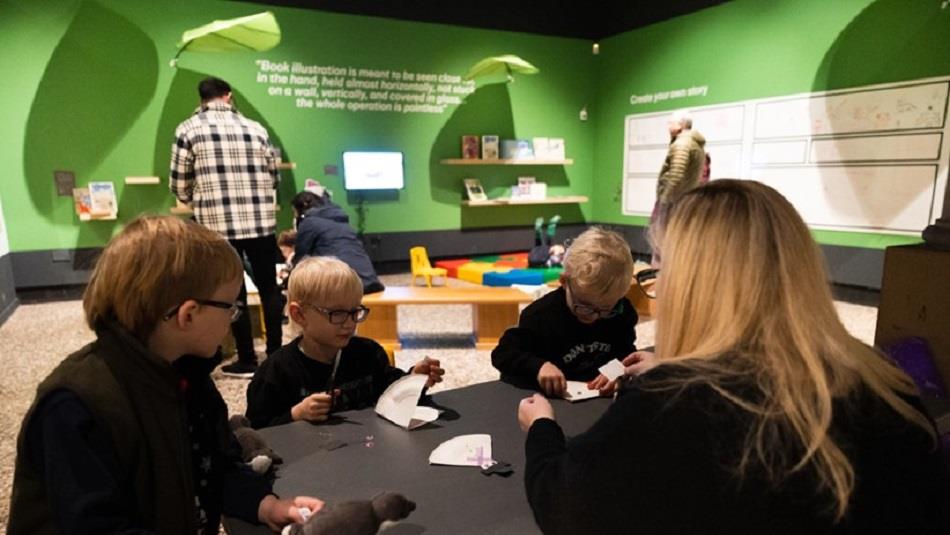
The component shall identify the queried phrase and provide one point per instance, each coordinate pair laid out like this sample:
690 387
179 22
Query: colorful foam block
516 276
475 271
451 266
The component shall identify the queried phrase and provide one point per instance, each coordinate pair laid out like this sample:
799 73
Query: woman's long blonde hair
743 294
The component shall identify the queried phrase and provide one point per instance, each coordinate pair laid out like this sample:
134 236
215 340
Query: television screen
372 170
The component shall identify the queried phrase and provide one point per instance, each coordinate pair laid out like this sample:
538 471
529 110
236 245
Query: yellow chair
420 266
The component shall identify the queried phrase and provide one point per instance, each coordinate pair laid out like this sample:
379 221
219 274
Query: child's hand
551 380
604 385
277 513
313 408
429 366
638 362
530 409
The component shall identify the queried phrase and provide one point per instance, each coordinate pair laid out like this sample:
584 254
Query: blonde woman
760 413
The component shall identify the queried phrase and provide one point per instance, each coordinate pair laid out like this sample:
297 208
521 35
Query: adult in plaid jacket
223 164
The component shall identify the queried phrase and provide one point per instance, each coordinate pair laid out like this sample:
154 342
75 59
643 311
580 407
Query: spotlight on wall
595 49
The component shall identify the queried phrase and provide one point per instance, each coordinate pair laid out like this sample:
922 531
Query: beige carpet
37 336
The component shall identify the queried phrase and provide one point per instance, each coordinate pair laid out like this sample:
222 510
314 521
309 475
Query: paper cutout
577 391
398 404
612 369
464 450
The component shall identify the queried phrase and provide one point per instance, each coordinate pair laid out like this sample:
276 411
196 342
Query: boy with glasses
327 368
129 434
571 332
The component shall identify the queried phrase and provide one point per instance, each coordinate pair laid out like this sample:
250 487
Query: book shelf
522 161
507 201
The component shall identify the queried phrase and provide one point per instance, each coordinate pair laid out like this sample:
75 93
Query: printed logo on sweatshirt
593 348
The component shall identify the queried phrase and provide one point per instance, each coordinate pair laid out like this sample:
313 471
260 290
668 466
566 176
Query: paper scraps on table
400 403
612 369
578 391
464 450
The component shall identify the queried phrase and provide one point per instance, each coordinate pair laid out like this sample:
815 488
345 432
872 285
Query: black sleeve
303 246
243 488
596 482
629 338
386 374
518 352
268 402
80 468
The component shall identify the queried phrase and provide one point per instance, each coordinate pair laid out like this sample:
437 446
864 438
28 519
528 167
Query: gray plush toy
358 517
254 449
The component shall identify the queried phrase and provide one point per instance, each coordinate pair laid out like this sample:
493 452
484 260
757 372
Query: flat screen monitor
364 170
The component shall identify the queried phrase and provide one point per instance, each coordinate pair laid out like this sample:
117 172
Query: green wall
88 87
748 49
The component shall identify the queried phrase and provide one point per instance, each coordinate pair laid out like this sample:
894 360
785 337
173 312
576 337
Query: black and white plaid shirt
223 164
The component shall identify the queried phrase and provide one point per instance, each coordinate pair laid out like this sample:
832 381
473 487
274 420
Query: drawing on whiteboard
838 156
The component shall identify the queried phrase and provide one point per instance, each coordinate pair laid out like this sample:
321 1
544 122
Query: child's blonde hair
287 238
154 264
317 279
599 262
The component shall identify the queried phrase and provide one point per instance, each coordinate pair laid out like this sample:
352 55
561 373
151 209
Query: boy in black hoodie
571 332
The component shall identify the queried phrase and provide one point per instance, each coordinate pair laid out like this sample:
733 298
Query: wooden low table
493 311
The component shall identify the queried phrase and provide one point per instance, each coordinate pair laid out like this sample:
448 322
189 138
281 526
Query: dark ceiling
586 20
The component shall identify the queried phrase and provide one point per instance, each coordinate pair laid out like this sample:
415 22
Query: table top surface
380 456
444 294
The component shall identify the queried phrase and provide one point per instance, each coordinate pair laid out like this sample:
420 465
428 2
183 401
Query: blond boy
327 368
130 433
571 332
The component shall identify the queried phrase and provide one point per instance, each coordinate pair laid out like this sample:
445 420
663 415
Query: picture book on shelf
474 190
102 199
489 147
470 147
82 203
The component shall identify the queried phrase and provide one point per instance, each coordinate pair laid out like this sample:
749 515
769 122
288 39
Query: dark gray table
449 499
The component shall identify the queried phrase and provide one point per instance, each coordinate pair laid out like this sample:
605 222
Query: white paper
577 391
612 369
399 403
464 450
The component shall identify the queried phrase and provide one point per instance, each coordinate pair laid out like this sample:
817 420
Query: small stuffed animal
358 517
254 449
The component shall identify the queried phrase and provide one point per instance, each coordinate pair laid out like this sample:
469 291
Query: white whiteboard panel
725 161
719 124
900 147
898 108
639 195
646 160
778 152
868 197
649 130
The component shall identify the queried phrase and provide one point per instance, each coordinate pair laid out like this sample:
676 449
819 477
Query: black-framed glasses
646 281
338 317
587 311
234 309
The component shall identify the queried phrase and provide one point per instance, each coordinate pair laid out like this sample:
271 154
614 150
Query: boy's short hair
152 266
287 238
599 261
318 279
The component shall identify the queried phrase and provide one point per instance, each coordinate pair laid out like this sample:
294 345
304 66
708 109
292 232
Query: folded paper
400 403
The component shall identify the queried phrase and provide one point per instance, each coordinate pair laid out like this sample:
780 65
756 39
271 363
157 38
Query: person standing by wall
681 172
223 164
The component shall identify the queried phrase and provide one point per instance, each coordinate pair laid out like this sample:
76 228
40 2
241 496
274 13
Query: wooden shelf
523 161
286 165
142 180
507 201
